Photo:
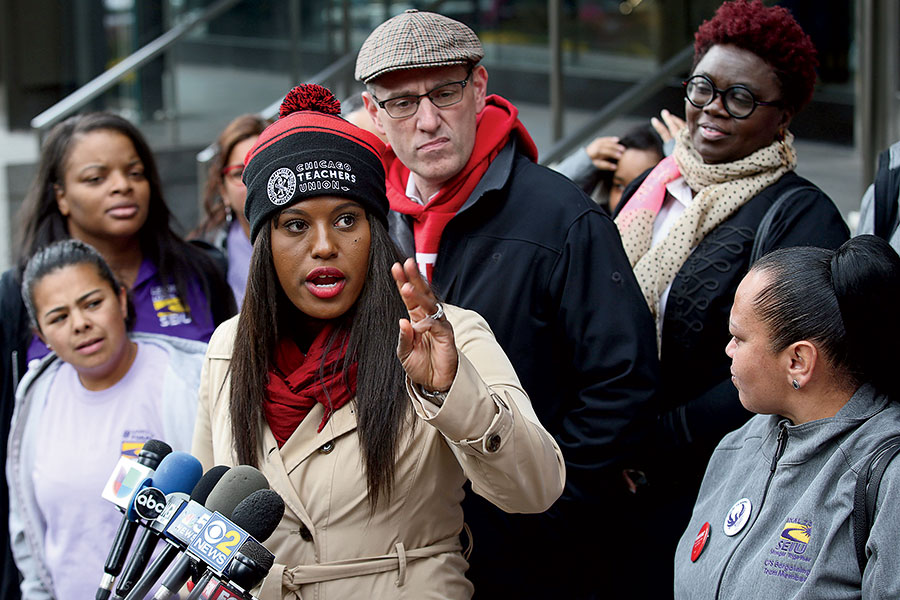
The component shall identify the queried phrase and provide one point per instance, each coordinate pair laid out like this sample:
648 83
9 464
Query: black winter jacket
15 335
699 404
531 253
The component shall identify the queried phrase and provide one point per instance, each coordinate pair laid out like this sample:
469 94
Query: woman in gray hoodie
813 351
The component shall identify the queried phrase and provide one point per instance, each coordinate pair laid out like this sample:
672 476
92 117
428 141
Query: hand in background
669 127
605 152
426 348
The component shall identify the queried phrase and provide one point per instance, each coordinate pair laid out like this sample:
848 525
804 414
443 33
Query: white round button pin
737 517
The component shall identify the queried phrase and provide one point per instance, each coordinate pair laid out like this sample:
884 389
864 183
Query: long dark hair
381 403
844 300
240 129
41 223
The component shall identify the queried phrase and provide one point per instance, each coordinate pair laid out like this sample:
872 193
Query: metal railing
78 99
337 72
639 92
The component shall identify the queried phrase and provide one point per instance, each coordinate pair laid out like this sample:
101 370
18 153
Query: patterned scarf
496 123
295 385
720 190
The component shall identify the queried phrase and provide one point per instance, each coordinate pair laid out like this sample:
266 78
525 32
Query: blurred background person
225 226
689 228
879 211
608 164
813 353
99 394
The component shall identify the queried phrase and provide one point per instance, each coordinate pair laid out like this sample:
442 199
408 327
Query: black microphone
150 456
178 473
238 483
250 566
260 513
170 516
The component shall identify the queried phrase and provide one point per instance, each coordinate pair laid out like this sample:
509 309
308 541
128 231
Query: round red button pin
700 542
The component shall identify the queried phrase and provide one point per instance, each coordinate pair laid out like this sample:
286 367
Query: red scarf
295 386
495 124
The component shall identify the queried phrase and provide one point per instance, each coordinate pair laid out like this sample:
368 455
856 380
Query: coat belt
291 579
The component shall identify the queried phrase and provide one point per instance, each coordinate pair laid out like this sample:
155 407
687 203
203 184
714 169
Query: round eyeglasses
403 107
738 100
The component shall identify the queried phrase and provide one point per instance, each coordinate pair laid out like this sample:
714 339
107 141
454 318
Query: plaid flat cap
414 40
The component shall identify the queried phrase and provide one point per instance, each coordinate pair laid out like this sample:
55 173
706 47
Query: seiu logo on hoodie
789 558
795 537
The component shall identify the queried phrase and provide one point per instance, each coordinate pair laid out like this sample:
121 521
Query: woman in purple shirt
97 182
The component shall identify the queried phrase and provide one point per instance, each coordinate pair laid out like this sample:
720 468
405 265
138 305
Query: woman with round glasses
225 226
689 228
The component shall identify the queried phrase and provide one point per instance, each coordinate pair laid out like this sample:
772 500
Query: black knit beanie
311 151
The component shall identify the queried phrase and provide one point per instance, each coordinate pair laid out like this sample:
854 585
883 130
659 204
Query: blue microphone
183 515
178 473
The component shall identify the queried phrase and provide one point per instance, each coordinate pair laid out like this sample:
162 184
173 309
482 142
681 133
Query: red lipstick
325 282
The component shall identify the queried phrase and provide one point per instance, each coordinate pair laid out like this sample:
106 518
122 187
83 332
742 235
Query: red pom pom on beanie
310 96
311 151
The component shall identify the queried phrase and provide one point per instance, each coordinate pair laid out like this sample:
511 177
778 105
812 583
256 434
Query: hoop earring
796 384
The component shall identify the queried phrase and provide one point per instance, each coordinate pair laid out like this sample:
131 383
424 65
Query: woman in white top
100 394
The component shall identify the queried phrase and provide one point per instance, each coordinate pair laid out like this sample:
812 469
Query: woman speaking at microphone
99 394
369 452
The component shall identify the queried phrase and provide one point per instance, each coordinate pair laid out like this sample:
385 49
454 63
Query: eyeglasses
403 107
234 173
738 100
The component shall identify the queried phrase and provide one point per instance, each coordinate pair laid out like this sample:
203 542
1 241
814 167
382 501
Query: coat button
493 443
327 447
305 534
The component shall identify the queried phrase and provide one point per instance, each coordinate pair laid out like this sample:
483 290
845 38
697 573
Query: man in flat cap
519 243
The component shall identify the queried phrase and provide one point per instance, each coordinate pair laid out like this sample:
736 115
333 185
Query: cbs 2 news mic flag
217 543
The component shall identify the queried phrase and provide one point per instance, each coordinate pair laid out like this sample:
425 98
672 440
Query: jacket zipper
15 372
780 444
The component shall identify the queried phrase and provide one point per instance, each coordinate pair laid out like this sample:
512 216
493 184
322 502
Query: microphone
260 513
172 515
256 516
178 473
251 564
237 484
149 457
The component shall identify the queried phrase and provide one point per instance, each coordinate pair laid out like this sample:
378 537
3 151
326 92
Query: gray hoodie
797 542
181 381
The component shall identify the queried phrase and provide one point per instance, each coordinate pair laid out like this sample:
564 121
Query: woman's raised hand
426 347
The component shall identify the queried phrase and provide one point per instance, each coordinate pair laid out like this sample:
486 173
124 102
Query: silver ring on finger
438 312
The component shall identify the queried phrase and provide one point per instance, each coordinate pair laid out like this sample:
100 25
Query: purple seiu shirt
158 309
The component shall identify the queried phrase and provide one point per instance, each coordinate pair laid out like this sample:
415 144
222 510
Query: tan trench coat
328 546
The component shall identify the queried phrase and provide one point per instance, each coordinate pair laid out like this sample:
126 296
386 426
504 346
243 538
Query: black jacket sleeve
221 299
15 335
611 334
